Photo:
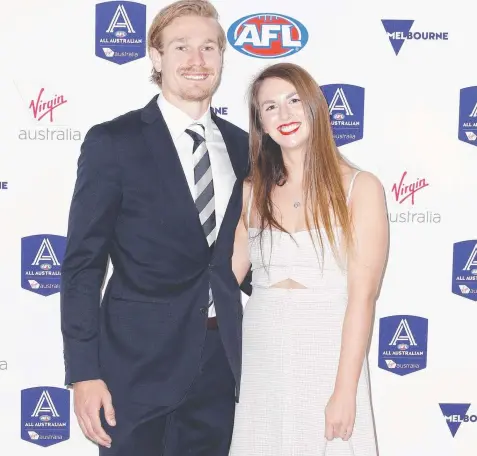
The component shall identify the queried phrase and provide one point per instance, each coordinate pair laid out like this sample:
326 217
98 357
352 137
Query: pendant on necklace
296 204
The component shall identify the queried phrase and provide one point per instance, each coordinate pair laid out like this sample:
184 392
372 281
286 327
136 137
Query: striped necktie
203 182
204 186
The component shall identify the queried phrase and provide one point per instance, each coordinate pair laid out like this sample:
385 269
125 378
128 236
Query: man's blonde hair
201 8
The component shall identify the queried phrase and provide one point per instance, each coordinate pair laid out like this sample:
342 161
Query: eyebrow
290 95
184 40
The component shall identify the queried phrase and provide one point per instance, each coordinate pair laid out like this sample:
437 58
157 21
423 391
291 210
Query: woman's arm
366 262
240 257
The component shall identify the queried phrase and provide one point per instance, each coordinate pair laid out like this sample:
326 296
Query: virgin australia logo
44 110
404 192
42 107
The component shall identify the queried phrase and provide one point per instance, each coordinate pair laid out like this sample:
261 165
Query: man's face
191 62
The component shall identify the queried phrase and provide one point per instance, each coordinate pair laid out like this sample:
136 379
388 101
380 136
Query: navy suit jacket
131 203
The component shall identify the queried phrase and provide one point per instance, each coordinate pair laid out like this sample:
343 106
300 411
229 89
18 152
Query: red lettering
402 191
42 108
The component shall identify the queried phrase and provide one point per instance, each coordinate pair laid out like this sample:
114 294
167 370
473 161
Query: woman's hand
340 414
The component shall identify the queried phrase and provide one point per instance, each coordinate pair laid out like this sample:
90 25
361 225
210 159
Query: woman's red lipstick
289 132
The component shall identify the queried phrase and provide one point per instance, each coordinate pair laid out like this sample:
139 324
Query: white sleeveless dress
291 348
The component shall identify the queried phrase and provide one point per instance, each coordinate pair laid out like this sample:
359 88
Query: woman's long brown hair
323 186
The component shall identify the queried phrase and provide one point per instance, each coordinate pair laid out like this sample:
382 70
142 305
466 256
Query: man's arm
246 285
94 210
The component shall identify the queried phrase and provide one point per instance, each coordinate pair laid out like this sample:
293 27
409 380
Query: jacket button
203 310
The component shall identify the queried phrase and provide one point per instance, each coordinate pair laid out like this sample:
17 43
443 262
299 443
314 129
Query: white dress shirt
223 174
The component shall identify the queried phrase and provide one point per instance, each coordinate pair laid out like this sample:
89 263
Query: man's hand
89 397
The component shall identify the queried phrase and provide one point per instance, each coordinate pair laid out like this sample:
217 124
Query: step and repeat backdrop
401 82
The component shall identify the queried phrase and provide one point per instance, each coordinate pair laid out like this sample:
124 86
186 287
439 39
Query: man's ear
156 59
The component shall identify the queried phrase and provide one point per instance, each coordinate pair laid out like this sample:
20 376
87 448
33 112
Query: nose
196 58
284 112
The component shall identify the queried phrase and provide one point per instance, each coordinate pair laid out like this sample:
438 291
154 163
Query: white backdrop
418 136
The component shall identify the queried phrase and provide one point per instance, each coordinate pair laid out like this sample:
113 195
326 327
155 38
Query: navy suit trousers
200 425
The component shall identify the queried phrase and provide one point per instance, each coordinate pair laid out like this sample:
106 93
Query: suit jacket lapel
238 165
171 173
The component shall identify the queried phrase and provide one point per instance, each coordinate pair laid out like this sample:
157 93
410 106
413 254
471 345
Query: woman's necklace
296 203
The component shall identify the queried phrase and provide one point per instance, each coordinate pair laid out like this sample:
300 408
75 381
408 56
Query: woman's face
282 114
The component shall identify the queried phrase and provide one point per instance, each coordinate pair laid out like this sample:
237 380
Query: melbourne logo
346 108
267 35
402 344
42 255
45 415
120 31
464 269
399 31
220 110
468 115
46 112
404 192
455 415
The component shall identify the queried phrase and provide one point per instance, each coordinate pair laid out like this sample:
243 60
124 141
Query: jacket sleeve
93 213
246 285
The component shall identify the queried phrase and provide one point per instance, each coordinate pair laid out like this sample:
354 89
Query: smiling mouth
289 128
195 76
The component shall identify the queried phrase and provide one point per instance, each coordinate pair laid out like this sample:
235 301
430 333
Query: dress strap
249 208
351 184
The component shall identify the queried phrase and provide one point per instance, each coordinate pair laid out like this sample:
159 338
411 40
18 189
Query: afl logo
402 347
45 266
338 116
267 36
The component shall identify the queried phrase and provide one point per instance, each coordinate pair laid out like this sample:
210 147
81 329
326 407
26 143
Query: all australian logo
120 31
346 108
468 115
403 344
464 269
45 415
42 255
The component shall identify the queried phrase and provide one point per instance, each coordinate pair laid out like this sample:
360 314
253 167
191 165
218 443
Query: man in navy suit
155 368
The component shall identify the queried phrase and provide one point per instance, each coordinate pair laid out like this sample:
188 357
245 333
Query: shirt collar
177 121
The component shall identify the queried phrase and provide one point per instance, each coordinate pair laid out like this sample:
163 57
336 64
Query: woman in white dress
315 232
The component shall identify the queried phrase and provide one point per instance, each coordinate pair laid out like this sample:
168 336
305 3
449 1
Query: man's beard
198 93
